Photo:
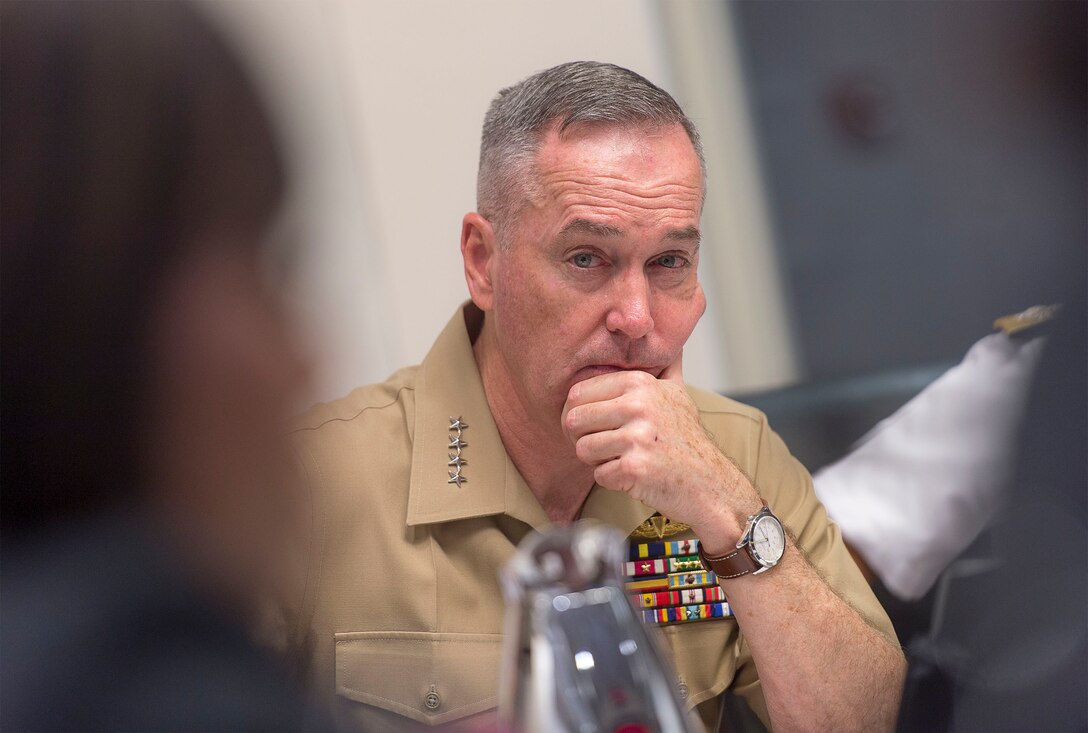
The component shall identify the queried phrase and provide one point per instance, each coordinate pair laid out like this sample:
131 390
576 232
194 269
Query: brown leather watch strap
730 565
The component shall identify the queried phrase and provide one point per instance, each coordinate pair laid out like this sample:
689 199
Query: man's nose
629 313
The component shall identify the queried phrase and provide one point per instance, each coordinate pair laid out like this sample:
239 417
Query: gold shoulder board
1027 319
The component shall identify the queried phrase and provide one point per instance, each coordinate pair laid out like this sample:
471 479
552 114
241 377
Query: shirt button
431 699
683 689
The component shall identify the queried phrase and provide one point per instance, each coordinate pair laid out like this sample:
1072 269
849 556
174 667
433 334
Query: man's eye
584 260
671 262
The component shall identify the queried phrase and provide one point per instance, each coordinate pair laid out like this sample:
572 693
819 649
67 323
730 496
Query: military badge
666 579
456 465
659 527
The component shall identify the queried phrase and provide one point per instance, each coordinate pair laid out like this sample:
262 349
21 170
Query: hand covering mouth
593 370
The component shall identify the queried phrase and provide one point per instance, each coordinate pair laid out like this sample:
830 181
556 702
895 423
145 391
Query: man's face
599 271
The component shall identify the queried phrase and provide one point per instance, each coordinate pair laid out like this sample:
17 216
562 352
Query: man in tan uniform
557 394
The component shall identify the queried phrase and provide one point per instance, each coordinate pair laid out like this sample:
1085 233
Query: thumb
563 417
675 372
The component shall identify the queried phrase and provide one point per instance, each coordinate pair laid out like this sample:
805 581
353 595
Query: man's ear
478 250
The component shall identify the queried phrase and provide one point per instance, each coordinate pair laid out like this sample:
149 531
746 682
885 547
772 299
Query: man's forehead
617 168
603 179
582 226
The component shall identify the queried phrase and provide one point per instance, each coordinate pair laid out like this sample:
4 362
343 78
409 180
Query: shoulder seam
393 401
739 413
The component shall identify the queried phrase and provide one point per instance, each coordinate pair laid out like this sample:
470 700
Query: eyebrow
585 226
687 234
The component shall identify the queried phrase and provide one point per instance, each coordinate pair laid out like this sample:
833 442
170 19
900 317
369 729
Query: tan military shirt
403 603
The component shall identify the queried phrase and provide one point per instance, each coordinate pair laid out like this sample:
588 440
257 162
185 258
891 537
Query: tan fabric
403 604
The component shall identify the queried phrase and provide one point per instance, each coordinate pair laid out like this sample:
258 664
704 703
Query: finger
635 437
675 372
594 417
604 387
615 475
597 448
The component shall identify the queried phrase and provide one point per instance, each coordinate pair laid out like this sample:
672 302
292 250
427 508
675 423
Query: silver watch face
768 541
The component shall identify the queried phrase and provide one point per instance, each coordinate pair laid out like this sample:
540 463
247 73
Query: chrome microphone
577 659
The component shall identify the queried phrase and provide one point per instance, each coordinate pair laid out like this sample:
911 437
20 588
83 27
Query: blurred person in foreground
557 393
147 373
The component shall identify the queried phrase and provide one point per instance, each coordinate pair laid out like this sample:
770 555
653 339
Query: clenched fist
643 436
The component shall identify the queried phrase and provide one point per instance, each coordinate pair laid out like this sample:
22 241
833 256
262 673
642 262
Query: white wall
382 105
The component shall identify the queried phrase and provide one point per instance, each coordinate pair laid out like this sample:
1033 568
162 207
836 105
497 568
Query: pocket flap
704 655
432 678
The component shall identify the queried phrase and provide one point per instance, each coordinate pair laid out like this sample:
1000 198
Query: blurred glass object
577 659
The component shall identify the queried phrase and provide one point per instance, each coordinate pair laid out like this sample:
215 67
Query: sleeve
922 485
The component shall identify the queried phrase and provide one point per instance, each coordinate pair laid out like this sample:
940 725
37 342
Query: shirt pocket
427 677
704 656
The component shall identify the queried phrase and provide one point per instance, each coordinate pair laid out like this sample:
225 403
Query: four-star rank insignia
457 461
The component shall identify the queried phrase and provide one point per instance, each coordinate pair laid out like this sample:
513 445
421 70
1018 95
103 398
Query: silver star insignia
456 478
456 423
456 443
457 460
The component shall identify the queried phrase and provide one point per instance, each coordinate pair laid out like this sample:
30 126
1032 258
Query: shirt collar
448 386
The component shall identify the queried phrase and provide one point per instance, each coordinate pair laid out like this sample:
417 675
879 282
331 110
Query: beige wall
382 105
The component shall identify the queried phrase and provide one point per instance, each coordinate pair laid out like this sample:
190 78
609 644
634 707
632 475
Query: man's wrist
727 516
723 529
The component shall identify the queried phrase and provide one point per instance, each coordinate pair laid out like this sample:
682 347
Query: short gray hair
579 91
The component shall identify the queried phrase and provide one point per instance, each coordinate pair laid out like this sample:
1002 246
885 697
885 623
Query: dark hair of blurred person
147 375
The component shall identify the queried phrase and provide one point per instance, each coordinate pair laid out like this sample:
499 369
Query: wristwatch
760 548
